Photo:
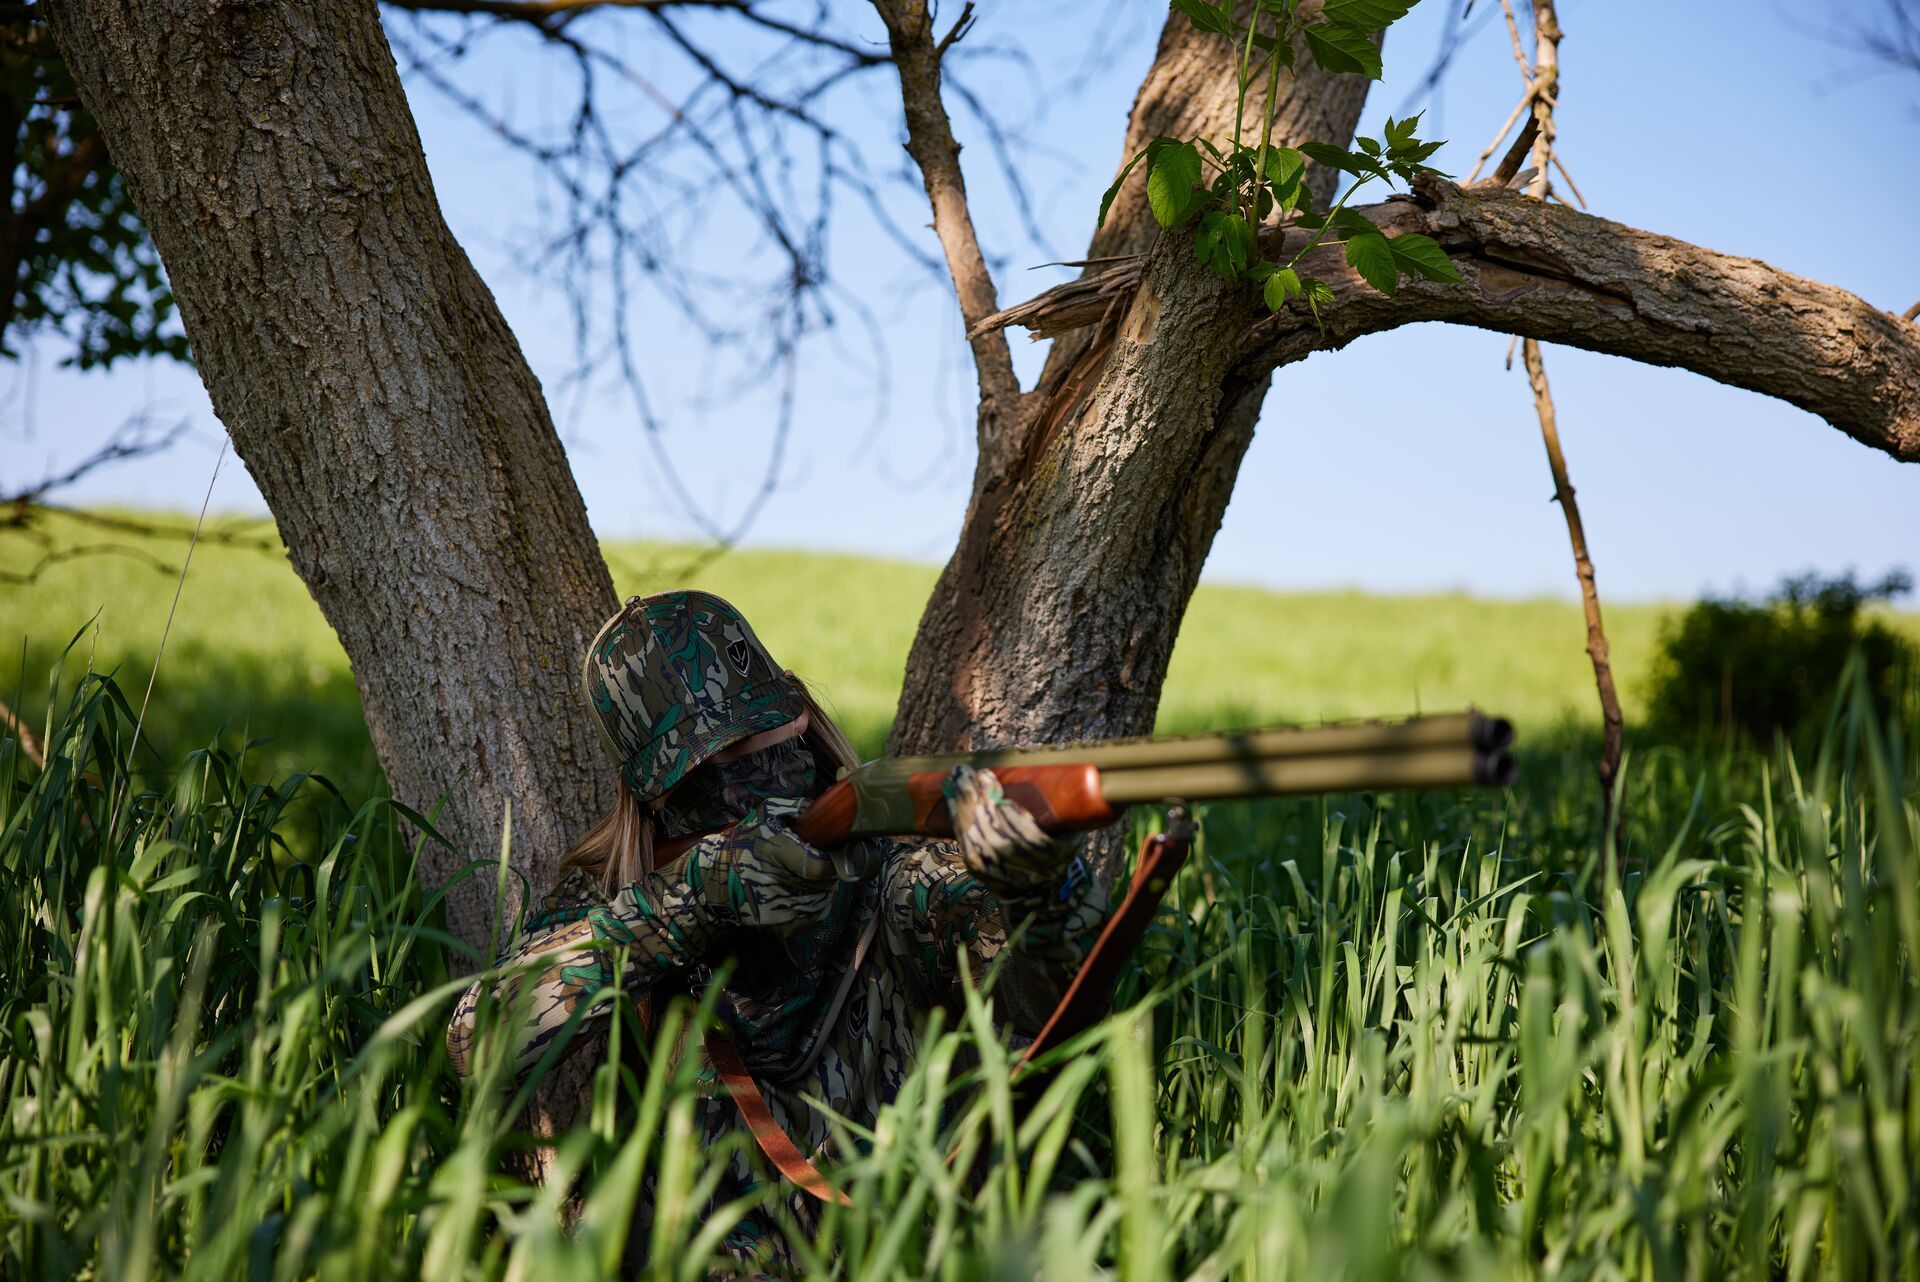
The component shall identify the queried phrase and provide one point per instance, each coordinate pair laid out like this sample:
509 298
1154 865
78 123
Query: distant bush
1753 667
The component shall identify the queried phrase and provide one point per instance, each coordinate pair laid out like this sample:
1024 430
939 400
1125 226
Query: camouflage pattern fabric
761 896
676 677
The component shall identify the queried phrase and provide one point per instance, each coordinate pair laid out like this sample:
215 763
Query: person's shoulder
575 895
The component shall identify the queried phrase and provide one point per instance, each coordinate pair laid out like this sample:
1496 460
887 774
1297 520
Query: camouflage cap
676 678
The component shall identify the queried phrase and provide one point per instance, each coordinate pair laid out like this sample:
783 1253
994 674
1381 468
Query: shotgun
1075 787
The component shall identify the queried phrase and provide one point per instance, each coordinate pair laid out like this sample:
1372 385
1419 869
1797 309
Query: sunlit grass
1370 1039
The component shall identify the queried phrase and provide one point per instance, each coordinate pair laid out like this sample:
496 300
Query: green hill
249 650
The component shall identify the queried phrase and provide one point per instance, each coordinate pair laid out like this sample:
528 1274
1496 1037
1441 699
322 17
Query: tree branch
543 12
1561 276
931 143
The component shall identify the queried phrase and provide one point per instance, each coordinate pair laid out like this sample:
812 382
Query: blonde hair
618 850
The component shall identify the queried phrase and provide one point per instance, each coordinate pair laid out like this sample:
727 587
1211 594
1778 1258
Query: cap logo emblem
738 652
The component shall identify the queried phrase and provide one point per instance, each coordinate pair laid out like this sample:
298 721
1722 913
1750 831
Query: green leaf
1282 50
1369 255
1368 15
1284 165
1173 170
1339 158
1206 241
1237 237
1281 286
1400 133
1371 146
1224 243
1205 16
1343 49
1318 295
1106 201
1418 255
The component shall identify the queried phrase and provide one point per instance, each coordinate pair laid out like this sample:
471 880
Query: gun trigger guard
855 861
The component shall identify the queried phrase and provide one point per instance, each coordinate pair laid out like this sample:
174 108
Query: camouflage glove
1000 841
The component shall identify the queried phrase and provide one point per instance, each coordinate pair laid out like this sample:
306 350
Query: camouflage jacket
761 896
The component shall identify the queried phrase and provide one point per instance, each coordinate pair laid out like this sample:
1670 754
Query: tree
368 380
1099 490
407 454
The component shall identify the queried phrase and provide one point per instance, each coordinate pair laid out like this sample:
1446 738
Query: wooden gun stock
1063 798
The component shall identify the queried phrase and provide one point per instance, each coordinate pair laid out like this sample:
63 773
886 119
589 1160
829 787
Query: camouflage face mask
719 792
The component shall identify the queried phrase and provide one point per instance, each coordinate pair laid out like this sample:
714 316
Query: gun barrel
1373 738
1461 766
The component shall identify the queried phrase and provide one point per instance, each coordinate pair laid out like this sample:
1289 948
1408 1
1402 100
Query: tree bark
1056 615
378 398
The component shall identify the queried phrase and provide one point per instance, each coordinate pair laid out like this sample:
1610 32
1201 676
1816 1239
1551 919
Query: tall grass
1371 1038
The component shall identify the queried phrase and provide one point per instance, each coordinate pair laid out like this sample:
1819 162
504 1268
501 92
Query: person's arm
757 874
1001 878
562 934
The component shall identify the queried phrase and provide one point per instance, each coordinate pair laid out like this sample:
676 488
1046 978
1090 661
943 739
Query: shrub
1753 667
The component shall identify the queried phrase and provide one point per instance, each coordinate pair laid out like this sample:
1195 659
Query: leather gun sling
1085 1003
761 1123
1089 995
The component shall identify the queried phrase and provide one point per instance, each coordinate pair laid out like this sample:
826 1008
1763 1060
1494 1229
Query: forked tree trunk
376 394
1090 519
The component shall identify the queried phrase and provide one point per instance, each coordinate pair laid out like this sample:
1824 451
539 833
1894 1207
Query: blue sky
1409 462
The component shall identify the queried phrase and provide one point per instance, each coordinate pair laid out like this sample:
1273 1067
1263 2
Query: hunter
837 958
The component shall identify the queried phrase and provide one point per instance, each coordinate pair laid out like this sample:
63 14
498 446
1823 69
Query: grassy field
1370 1038
250 651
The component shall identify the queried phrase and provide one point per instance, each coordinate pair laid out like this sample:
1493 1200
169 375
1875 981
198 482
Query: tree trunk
377 396
1057 613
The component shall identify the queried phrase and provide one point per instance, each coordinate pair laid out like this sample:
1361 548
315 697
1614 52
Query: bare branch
1612 732
81 551
1895 39
640 190
1556 274
25 512
551 15
1545 79
1543 82
1509 167
133 439
543 13
931 143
